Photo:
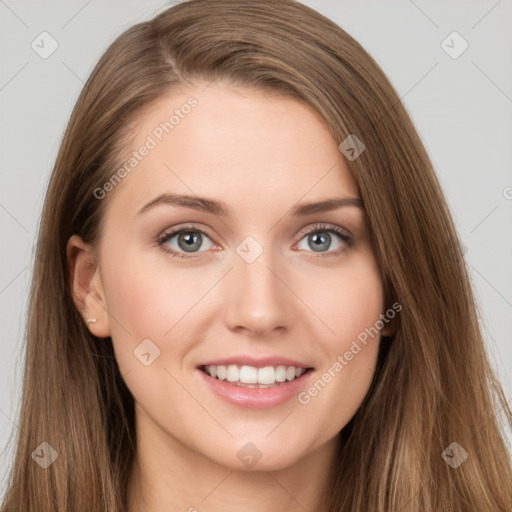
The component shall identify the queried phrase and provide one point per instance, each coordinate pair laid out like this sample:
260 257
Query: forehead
239 144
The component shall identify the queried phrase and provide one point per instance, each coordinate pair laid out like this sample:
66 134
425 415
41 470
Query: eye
325 239
183 241
186 242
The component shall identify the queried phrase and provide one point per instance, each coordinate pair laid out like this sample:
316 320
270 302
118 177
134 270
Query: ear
86 285
388 330
391 326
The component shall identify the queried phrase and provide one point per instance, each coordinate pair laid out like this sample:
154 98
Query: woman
249 292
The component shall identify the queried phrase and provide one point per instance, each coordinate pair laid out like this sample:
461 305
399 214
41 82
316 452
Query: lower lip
255 398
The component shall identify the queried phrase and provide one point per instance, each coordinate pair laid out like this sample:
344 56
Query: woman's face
258 279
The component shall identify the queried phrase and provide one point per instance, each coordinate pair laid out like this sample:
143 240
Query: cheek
145 303
148 300
351 307
348 300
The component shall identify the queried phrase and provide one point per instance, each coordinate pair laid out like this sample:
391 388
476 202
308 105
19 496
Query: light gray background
462 109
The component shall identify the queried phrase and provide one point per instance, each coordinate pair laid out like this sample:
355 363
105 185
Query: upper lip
244 360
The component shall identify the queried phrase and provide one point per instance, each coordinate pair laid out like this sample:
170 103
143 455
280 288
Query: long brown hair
433 385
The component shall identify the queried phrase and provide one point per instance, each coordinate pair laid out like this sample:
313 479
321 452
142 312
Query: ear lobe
86 286
388 330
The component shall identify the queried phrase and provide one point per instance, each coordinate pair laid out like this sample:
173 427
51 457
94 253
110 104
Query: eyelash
326 228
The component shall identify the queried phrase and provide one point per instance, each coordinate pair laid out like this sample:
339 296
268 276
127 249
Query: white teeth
281 373
233 373
266 376
221 371
248 374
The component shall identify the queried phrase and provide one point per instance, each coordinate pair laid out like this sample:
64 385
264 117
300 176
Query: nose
257 298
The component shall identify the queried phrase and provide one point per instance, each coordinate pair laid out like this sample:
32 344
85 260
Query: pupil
323 239
192 241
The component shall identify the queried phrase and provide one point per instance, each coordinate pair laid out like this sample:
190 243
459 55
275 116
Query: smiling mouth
252 377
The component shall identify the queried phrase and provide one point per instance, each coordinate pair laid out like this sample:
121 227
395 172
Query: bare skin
261 155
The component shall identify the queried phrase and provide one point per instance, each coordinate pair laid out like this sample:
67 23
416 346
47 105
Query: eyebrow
220 208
